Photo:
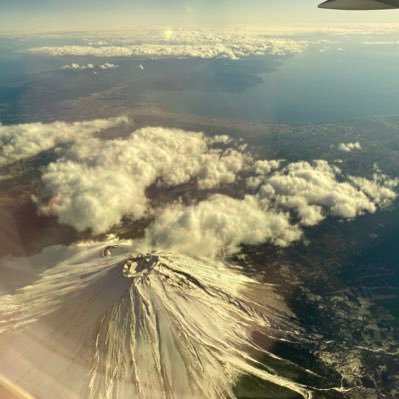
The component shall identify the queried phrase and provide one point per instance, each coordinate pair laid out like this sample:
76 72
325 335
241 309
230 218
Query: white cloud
285 201
218 226
259 170
223 43
108 65
101 181
379 189
381 43
349 147
184 43
26 140
316 190
98 182
72 67
77 67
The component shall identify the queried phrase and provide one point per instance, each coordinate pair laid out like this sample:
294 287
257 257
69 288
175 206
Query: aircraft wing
360 4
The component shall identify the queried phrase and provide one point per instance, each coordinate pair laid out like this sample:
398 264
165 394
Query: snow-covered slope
109 323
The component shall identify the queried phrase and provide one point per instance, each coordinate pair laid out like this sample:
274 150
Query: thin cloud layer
183 43
223 43
26 140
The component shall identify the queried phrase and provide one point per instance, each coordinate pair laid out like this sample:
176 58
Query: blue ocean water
313 87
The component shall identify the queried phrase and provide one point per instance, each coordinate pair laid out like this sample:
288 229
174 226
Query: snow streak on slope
163 326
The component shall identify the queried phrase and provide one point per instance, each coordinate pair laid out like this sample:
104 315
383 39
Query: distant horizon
23 16
272 29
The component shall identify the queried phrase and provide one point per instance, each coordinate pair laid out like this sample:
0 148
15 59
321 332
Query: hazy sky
44 15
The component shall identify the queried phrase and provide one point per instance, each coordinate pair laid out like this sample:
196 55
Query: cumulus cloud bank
219 226
283 202
26 140
183 43
100 182
315 190
97 183
349 147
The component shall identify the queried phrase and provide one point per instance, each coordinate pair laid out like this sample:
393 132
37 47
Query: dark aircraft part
360 4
